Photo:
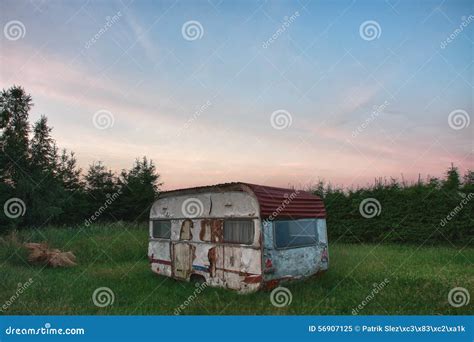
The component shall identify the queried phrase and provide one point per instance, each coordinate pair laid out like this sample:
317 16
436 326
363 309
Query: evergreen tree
68 172
468 181
15 105
101 186
43 147
453 180
69 175
46 193
139 188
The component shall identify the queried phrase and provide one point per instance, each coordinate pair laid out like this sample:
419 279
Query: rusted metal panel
183 254
186 230
232 266
211 230
196 245
287 203
272 201
294 263
160 257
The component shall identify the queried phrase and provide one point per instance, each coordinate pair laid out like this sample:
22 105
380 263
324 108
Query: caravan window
161 229
239 231
295 233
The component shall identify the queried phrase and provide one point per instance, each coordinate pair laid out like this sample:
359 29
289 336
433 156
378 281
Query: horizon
268 93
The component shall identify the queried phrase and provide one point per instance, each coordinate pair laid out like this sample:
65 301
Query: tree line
44 184
54 190
430 211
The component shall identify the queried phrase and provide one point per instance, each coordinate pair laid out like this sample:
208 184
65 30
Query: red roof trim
275 203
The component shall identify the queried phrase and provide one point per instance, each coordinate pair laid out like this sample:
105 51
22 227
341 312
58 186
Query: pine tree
453 180
468 181
15 105
139 188
68 172
101 186
43 147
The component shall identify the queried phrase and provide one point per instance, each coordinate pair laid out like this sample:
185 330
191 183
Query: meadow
419 279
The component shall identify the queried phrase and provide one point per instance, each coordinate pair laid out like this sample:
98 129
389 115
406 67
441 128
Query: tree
453 180
43 147
468 181
101 186
15 105
68 172
139 188
69 175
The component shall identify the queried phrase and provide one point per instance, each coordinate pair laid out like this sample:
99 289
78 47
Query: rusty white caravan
237 235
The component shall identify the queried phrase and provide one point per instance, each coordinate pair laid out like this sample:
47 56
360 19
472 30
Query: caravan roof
287 203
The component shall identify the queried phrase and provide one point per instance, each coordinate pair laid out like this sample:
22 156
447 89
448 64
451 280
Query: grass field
114 256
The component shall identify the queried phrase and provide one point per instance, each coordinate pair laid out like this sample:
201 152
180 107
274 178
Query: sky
269 92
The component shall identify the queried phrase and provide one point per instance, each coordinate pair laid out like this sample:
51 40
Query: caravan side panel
197 236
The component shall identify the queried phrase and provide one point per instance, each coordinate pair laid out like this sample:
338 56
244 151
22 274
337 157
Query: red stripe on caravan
253 279
160 261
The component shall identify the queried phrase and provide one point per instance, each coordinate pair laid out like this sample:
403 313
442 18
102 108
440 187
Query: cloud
142 37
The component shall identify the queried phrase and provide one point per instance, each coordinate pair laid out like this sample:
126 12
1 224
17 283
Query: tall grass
114 256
